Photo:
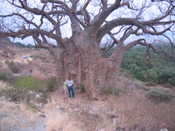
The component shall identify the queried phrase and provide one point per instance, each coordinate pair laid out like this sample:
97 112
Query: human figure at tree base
70 87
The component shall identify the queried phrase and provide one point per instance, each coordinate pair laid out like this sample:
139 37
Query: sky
93 8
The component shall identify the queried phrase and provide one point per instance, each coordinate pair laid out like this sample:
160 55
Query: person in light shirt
70 87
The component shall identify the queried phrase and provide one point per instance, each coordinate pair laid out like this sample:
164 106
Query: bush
159 95
140 75
81 88
35 84
29 83
166 76
151 75
14 67
51 84
156 70
171 81
29 89
14 94
32 107
23 95
6 76
3 76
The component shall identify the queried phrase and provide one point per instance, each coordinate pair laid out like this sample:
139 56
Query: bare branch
83 11
21 16
101 17
104 3
29 32
131 21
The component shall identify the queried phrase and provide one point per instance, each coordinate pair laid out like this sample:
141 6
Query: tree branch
101 17
131 21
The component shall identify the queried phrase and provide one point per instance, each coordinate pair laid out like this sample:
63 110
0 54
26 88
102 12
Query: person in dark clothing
71 91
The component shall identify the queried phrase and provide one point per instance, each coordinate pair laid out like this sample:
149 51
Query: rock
160 95
43 115
37 96
114 121
103 129
120 129
3 115
163 129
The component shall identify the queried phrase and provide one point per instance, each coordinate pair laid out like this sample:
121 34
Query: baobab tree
125 22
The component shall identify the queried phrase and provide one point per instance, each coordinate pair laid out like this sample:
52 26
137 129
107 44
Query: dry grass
4 85
130 110
60 120
158 95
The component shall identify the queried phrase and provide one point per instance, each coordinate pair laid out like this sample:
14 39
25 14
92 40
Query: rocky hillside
35 62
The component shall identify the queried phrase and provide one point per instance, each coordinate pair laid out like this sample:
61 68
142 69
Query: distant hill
7 41
19 44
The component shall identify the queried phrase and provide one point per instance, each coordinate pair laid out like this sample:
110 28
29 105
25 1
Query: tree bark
82 60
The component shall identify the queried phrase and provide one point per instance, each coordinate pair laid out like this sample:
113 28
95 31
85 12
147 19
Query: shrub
35 84
3 76
155 70
151 75
29 83
51 84
159 95
23 95
28 89
166 76
14 94
81 88
140 75
171 81
14 67
6 76
32 107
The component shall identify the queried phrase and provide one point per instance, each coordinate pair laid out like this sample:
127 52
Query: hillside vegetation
156 70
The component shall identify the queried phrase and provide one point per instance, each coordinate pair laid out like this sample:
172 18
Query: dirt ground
131 111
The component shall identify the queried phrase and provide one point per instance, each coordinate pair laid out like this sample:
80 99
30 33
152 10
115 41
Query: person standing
70 87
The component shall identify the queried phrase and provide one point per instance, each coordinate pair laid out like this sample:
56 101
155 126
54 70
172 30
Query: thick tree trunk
82 60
